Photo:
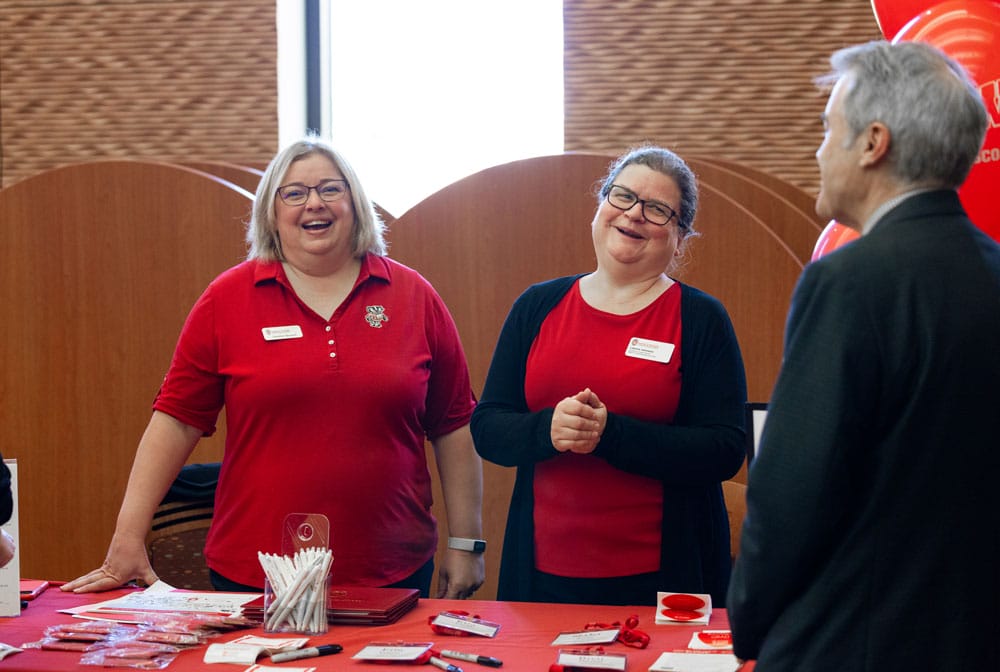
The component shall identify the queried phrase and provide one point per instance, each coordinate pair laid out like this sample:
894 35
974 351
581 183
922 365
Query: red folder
369 606
356 605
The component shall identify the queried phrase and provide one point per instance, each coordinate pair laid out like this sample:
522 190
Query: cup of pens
297 582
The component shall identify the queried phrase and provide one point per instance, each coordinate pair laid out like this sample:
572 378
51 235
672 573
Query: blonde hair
262 230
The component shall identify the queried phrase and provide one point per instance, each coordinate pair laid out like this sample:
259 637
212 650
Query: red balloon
834 235
892 15
969 32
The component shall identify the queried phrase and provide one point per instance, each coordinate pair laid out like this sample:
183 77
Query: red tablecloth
523 642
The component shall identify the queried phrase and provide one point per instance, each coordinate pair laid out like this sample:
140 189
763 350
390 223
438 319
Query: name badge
655 351
282 333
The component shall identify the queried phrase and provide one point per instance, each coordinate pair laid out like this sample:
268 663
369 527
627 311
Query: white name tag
606 636
643 348
469 624
590 661
398 651
282 333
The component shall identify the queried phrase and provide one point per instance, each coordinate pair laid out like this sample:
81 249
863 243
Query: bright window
424 93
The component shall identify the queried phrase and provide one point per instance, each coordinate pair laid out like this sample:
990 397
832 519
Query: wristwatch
464 544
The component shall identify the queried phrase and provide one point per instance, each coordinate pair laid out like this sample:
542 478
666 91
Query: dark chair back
176 540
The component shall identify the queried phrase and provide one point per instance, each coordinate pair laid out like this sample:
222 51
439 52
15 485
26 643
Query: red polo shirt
322 416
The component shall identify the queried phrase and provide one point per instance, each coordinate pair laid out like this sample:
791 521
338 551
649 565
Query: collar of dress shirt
883 209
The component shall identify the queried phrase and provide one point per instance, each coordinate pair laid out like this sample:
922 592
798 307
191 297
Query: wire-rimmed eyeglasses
654 212
297 193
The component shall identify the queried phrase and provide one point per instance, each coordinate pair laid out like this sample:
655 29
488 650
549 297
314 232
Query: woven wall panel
731 79
168 79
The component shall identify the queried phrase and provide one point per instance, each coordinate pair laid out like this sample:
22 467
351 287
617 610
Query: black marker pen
489 661
310 652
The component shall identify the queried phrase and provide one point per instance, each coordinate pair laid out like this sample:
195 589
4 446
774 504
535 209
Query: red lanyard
629 634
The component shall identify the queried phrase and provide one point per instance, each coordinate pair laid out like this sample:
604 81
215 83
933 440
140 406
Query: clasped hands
578 423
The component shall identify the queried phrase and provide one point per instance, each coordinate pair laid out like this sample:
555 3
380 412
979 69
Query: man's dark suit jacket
872 535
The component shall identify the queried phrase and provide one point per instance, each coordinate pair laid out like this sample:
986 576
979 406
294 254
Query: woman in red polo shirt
333 363
619 396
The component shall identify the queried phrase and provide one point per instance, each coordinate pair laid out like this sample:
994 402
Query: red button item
683 601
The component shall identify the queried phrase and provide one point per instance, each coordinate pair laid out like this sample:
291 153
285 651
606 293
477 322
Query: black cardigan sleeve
503 429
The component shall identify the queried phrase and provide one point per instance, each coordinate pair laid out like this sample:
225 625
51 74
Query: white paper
241 654
7 649
165 598
695 662
248 648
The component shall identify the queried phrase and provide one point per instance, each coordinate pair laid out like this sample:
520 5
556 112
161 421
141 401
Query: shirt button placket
331 342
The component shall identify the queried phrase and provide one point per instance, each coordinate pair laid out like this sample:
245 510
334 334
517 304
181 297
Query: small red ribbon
628 634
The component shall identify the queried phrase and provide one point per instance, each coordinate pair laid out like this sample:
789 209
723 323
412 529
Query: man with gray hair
872 535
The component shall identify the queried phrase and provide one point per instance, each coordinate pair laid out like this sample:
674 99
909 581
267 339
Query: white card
245 650
389 651
654 351
238 654
711 640
695 662
473 626
587 637
592 661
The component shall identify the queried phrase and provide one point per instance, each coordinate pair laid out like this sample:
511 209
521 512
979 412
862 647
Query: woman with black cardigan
619 397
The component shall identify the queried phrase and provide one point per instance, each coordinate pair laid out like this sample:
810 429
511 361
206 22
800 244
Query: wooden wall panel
777 208
92 299
731 79
242 176
177 80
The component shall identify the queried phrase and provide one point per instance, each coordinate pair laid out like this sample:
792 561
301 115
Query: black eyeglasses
653 211
297 193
